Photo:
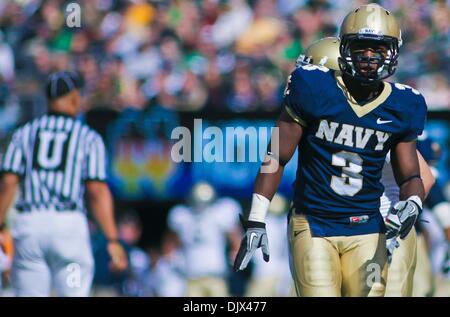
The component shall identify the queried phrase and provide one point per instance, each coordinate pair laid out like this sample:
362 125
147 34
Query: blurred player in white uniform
54 160
204 226
130 231
437 280
167 276
273 278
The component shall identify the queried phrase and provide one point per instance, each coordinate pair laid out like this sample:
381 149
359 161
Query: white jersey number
315 67
351 181
404 87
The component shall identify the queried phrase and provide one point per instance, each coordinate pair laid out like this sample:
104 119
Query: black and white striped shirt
54 155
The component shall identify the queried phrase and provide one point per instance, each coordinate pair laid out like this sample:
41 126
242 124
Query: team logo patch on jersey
359 219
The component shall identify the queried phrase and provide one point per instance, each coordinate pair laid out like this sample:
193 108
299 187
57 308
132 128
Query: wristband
417 200
260 206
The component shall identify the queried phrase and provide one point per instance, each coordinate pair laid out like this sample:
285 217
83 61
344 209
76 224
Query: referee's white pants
52 250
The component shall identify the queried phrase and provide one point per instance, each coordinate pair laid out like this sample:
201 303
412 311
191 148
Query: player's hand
119 260
401 219
391 245
255 237
6 255
447 234
6 242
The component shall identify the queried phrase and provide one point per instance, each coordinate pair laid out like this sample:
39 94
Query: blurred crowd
212 55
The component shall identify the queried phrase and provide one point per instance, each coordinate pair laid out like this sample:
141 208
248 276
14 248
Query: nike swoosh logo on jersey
379 121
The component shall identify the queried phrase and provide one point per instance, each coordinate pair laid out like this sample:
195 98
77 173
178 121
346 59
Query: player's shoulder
307 86
179 214
227 203
23 128
88 132
311 74
407 95
179 210
20 128
85 126
408 102
225 211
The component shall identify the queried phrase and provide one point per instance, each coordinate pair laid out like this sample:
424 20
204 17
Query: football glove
255 237
391 245
401 218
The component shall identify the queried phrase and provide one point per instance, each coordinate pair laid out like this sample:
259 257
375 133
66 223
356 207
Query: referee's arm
8 188
101 202
10 170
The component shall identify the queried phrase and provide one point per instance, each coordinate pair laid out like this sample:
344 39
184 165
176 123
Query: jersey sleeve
298 98
418 117
13 160
96 159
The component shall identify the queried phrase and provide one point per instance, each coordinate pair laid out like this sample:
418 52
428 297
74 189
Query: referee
54 160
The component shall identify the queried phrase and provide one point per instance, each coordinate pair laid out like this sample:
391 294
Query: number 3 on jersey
351 181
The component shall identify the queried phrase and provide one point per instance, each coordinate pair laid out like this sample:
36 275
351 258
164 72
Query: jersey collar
359 110
59 114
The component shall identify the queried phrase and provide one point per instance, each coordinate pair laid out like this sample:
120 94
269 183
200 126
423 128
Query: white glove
402 217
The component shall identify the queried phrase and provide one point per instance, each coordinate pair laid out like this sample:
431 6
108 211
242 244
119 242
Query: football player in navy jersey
401 252
344 123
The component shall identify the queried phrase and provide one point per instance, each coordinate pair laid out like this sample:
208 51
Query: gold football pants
401 270
423 275
207 287
336 266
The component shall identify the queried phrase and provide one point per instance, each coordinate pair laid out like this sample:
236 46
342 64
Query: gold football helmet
374 27
324 52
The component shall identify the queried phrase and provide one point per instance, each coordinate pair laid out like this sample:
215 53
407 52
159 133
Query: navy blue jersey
425 147
343 148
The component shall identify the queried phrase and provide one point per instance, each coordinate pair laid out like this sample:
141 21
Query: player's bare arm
406 168
290 133
426 174
234 240
405 164
8 187
101 203
266 184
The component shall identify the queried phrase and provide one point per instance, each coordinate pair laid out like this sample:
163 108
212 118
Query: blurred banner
141 165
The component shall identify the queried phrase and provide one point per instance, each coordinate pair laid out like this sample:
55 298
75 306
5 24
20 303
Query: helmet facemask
379 66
